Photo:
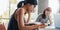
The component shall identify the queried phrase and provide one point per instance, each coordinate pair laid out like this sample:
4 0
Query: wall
59 6
42 4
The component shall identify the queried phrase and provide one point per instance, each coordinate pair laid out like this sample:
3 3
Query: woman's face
47 13
31 8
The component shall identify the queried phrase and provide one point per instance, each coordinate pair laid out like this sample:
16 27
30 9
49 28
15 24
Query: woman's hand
50 20
36 26
39 26
42 26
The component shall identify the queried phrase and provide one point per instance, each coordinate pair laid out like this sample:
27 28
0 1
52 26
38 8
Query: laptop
57 20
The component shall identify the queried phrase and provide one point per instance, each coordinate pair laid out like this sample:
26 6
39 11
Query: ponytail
32 2
20 4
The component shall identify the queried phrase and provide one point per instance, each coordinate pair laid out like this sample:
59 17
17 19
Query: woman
43 18
17 21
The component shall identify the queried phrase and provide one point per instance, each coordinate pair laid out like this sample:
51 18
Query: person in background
17 21
45 17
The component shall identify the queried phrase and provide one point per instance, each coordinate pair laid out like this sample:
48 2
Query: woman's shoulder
40 15
20 10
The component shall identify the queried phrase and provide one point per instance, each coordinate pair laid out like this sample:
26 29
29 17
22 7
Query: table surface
52 27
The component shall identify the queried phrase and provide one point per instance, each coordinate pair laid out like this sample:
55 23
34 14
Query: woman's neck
25 7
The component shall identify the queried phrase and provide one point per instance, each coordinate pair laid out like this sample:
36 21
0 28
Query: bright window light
54 4
4 4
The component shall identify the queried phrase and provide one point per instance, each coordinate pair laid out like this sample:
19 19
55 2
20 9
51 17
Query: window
4 9
7 8
54 4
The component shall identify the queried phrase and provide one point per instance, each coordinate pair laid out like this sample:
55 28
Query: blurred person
45 17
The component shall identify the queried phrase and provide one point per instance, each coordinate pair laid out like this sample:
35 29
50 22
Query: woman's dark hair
32 2
47 9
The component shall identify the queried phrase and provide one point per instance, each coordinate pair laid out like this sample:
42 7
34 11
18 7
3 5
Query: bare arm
50 20
20 14
20 21
28 17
